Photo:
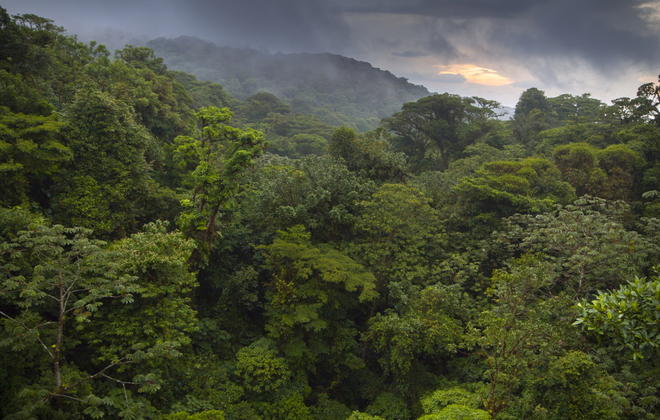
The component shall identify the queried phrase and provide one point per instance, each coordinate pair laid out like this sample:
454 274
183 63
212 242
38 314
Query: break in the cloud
605 47
488 48
475 74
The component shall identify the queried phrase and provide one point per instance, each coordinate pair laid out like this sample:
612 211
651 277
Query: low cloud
410 54
601 46
443 77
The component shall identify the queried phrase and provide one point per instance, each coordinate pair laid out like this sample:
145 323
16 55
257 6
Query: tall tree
105 318
532 115
436 129
56 277
213 161
314 295
108 184
650 92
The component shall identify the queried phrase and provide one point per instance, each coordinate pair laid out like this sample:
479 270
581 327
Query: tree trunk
57 353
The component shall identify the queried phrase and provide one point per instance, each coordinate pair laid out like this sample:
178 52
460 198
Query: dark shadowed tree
434 130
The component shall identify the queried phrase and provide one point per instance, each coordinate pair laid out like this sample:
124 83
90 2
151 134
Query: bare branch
53 394
119 381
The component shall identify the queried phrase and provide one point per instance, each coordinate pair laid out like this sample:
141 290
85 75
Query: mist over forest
339 210
336 89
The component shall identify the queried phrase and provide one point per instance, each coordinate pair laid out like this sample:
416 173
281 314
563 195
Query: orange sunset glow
476 74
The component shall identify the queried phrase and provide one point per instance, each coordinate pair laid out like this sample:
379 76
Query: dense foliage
168 251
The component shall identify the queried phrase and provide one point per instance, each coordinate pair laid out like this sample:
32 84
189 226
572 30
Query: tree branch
54 394
30 329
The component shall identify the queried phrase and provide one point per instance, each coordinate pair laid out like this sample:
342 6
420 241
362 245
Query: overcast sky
490 48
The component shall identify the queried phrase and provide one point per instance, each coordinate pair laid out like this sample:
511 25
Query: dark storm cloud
463 9
542 36
602 31
287 25
410 54
599 31
440 45
283 24
435 44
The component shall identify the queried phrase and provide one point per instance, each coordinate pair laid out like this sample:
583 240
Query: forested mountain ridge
168 251
337 89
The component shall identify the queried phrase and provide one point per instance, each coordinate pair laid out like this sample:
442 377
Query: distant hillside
337 89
